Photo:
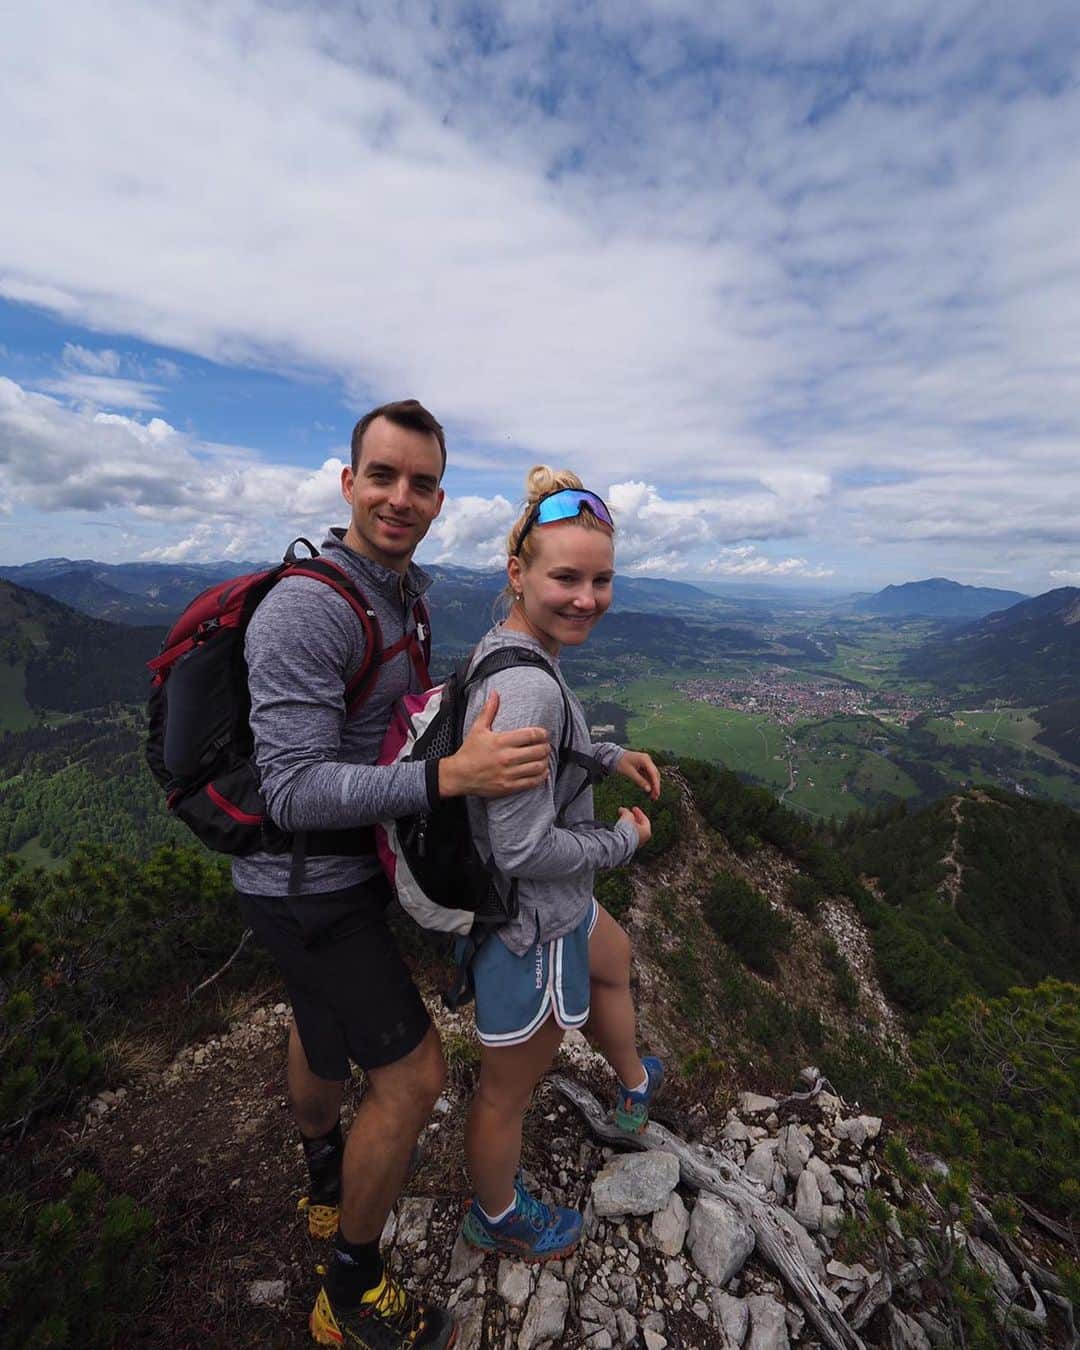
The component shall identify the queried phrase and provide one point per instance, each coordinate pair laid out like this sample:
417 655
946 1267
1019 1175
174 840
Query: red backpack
199 744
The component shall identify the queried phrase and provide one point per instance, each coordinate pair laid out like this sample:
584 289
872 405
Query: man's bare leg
315 1102
396 1106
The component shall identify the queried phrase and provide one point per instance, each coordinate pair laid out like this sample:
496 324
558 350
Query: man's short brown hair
406 412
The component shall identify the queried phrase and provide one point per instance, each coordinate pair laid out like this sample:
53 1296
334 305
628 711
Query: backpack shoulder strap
417 642
322 569
506 658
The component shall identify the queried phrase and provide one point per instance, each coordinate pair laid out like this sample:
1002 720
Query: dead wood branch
221 971
784 1244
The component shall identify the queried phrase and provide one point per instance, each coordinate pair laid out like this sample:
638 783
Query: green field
15 713
869 652
844 763
1014 727
662 718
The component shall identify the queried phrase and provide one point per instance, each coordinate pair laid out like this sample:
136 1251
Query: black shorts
351 993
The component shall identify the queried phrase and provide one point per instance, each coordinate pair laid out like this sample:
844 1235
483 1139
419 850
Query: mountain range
1029 653
936 598
154 593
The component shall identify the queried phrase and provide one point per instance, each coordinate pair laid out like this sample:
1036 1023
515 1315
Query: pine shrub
745 920
999 1082
77 1272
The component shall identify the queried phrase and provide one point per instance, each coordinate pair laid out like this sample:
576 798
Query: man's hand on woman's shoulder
640 769
495 763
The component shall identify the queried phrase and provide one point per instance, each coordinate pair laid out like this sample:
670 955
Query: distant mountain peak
937 598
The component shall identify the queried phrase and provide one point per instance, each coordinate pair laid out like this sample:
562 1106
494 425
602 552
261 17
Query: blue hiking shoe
533 1232
632 1108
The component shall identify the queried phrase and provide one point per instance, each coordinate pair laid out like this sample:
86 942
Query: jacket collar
374 575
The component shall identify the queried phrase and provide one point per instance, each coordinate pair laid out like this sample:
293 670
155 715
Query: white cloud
1065 576
206 500
471 532
731 286
104 391
745 561
103 361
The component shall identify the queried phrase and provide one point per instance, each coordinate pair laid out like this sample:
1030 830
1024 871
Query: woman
563 961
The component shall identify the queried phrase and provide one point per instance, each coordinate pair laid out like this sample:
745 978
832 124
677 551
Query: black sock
324 1165
355 1268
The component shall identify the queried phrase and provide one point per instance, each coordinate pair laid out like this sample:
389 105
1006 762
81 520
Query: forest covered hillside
54 658
1029 653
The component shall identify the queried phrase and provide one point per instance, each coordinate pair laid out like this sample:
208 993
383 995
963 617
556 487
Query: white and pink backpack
430 858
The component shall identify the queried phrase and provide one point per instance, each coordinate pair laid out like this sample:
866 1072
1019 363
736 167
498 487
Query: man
324 922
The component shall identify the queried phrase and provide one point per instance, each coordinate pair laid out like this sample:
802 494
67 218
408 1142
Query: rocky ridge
662 1263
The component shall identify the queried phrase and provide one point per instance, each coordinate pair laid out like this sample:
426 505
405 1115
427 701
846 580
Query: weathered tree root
784 1244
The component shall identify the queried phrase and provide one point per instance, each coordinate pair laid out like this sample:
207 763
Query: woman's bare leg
493 1130
612 1022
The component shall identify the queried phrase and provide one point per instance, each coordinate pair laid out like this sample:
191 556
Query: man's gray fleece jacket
318 769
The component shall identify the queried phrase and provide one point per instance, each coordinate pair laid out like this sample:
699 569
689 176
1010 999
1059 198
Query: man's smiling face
394 493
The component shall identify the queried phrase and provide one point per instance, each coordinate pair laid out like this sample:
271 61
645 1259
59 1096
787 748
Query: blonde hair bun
540 480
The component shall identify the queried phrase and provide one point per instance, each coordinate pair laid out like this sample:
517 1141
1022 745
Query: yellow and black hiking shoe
388 1318
322 1220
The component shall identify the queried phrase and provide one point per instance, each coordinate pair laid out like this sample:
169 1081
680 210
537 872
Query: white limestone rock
768 1325
832 1216
719 1240
732 1316
413 1220
465 1260
904 1332
808 1202
831 1190
514 1283
793 1151
545 1319
635 1183
669 1225
267 1293
853 1130
469 1316
759 1166
752 1103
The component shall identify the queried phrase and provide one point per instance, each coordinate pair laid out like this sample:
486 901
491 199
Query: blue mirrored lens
569 502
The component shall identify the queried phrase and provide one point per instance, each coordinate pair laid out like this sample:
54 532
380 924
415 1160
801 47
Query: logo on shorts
539 965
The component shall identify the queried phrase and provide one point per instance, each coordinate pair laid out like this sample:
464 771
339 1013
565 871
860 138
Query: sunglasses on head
564 504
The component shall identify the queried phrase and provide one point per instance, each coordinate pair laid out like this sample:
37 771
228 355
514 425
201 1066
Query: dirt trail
953 881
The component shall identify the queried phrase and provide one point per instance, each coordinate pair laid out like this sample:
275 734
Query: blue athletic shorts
515 994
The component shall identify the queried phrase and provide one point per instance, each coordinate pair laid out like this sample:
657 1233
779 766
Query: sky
795 286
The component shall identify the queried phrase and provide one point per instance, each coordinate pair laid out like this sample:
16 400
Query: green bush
844 982
998 1082
917 972
614 892
804 893
77 1272
44 1054
746 921
664 817
81 950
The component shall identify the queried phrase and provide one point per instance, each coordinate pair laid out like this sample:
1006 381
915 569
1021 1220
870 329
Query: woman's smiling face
566 587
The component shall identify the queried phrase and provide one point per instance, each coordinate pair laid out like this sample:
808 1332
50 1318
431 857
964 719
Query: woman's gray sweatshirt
553 864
